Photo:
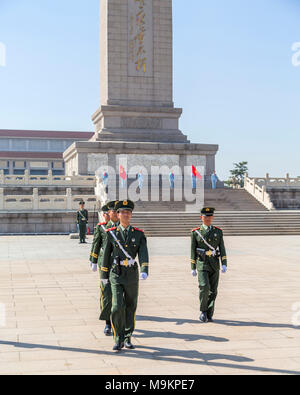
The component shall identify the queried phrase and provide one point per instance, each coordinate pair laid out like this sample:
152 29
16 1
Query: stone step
234 223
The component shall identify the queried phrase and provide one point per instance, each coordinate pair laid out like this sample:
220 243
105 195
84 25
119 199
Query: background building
36 151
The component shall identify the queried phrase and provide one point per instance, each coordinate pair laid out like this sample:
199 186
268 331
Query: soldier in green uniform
82 221
111 219
207 249
122 245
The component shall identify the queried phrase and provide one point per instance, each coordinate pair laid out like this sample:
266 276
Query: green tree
238 175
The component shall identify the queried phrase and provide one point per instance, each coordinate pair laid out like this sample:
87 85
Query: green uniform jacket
82 217
98 242
135 245
214 237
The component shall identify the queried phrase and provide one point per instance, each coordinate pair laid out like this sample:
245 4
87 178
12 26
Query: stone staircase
223 199
232 200
237 223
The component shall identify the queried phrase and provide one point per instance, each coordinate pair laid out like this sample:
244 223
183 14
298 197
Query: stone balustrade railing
259 192
272 182
47 180
36 202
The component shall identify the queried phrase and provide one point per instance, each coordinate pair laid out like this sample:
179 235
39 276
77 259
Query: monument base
138 124
85 158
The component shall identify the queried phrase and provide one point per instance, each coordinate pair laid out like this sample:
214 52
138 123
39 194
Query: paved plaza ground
51 302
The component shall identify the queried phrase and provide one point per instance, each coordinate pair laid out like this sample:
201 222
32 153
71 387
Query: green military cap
105 208
208 211
125 205
81 202
112 205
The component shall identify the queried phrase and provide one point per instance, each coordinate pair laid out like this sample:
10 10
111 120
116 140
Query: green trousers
125 289
82 232
105 302
208 286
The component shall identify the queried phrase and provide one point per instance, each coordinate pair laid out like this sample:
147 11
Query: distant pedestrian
105 179
214 180
82 221
172 180
123 176
141 180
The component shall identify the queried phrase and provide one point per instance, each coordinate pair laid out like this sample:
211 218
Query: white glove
144 276
224 269
194 273
94 267
104 282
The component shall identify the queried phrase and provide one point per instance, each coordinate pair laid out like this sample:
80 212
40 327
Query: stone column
2 199
50 177
2 179
137 73
69 198
35 197
26 177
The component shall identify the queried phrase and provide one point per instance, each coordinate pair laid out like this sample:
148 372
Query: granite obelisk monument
137 117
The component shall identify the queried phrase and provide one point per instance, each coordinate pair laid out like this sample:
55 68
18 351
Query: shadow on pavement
167 355
179 321
180 336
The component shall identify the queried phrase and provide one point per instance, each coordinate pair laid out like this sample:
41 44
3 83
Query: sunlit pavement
49 311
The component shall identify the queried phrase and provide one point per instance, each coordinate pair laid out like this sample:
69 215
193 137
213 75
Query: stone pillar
69 198
50 177
26 177
2 178
2 199
137 74
35 197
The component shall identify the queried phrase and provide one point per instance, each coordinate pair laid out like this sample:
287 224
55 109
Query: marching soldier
111 219
207 249
82 221
123 244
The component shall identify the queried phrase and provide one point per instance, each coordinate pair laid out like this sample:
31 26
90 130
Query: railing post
1 198
26 177
263 192
35 198
2 180
69 198
254 186
50 177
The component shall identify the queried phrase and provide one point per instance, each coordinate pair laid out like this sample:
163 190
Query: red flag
196 173
123 174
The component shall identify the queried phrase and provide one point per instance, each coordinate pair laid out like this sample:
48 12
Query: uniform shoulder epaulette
196 229
109 230
139 230
218 228
102 223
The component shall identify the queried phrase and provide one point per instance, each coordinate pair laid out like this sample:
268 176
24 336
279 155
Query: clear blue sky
233 74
